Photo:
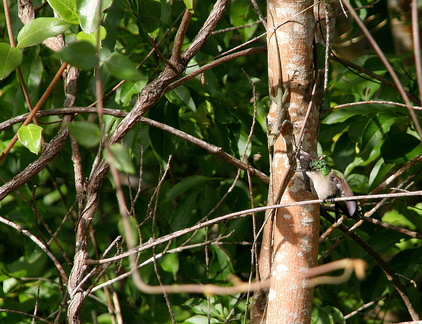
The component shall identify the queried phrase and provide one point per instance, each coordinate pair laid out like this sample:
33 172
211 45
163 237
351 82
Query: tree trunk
290 241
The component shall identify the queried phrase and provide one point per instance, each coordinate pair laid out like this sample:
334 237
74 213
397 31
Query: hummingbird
329 183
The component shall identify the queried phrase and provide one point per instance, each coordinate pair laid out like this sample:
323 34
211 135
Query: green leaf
88 13
122 67
162 142
221 264
87 134
40 29
186 183
9 285
374 133
183 93
398 146
134 229
121 158
321 316
170 263
80 55
66 10
201 319
92 38
10 59
378 172
125 93
335 313
344 152
190 5
30 137
150 16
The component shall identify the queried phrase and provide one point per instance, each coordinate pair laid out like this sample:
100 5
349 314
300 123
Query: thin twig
215 150
40 244
245 213
391 276
388 66
32 114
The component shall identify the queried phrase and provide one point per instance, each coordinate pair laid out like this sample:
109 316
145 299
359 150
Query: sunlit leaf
170 263
126 92
40 29
66 9
88 11
10 59
374 132
92 38
30 137
183 93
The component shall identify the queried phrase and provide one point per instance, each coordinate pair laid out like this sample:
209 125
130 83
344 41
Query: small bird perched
329 183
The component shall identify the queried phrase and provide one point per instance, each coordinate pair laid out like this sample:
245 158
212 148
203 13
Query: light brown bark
290 241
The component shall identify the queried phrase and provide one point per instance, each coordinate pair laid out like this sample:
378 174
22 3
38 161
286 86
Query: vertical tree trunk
293 234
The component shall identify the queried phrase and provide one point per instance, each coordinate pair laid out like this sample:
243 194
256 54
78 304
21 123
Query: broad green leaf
241 14
384 240
10 284
186 183
395 218
185 211
126 92
122 67
40 29
190 5
201 319
133 226
342 114
88 13
321 316
344 152
183 93
374 133
150 16
87 134
30 137
10 59
378 172
335 313
120 157
170 263
80 55
92 38
162 142
221 264
66 10
397 146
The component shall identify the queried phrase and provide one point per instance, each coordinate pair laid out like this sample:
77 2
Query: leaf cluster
170 183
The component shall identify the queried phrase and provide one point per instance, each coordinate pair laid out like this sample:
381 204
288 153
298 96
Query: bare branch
215 150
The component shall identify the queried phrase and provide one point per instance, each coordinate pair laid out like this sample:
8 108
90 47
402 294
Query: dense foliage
171 184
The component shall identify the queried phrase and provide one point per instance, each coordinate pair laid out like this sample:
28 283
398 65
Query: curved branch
213 149
50 151
224 59
40 244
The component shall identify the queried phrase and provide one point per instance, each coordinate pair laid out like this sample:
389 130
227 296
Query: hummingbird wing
352 205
